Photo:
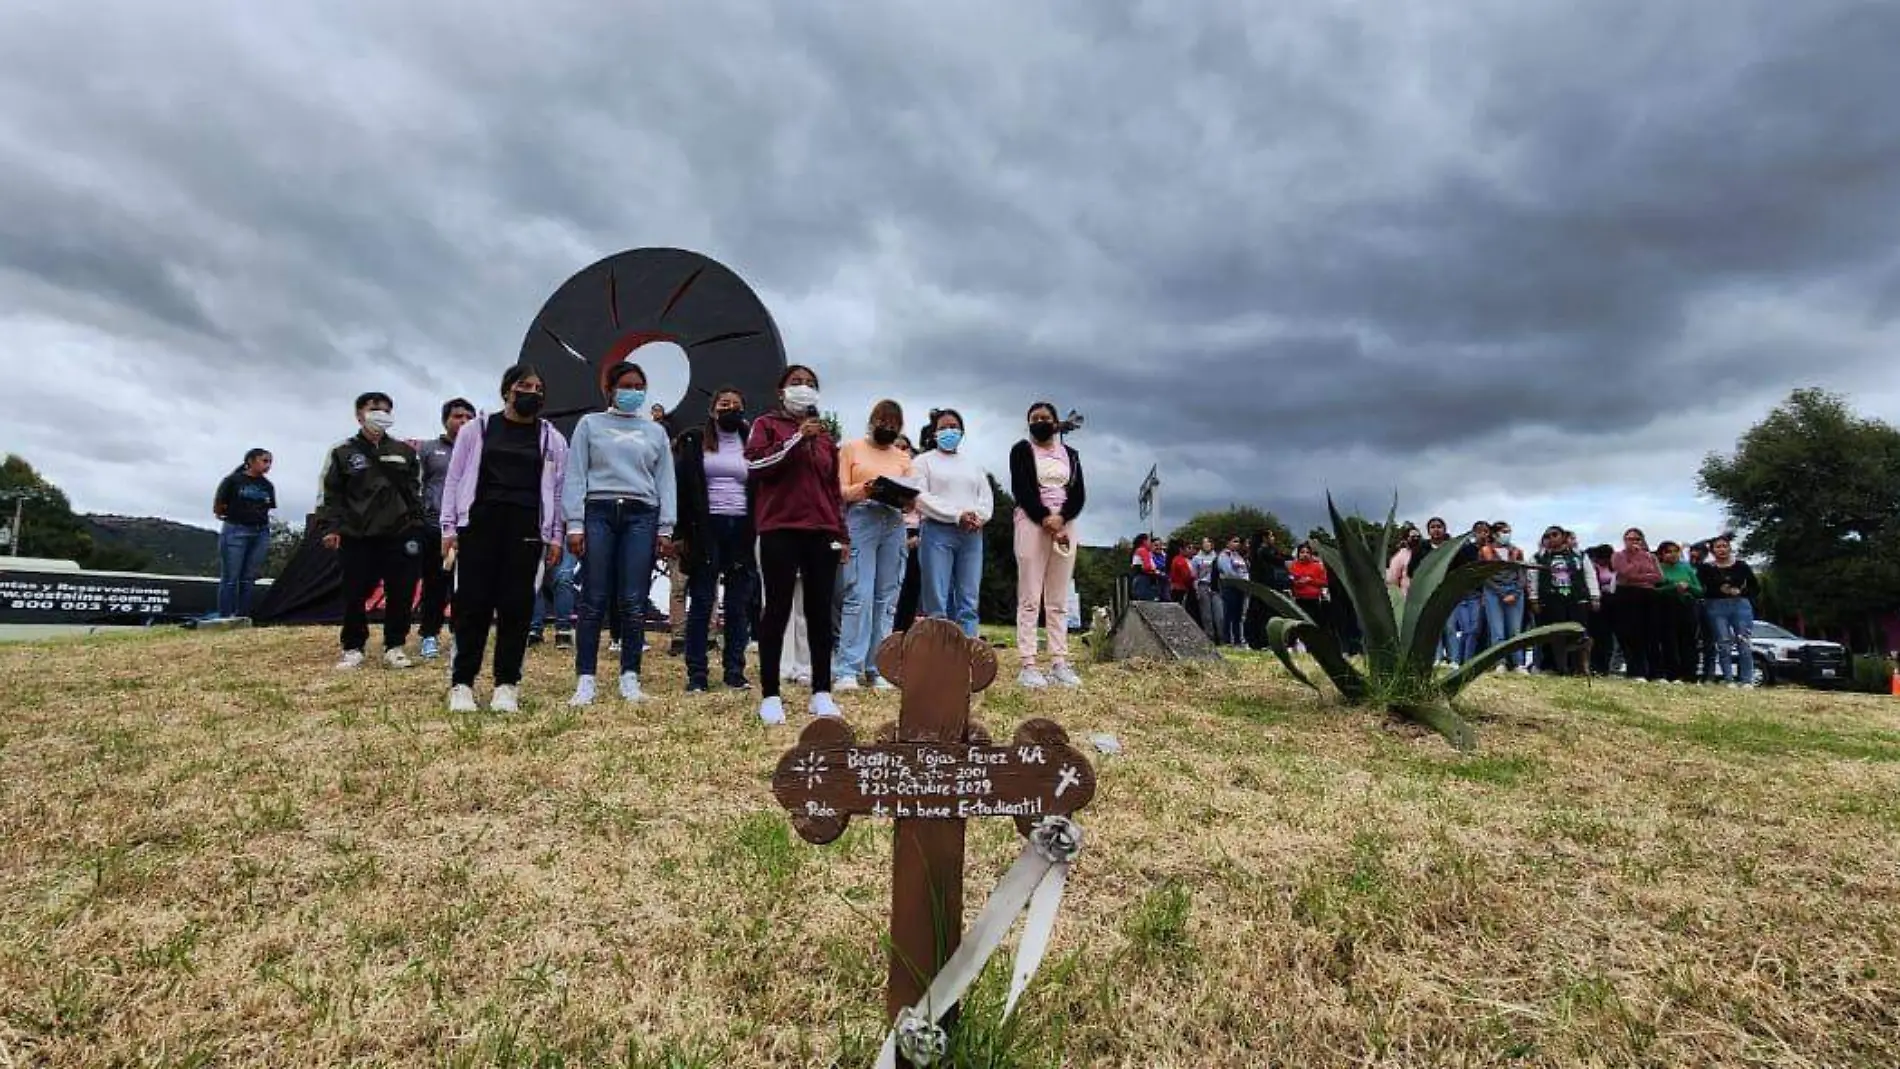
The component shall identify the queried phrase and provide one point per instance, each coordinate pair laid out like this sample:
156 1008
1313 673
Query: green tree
1242 520
996 603
49 528
285 540
1816 490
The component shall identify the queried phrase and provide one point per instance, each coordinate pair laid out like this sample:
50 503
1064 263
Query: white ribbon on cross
1035 881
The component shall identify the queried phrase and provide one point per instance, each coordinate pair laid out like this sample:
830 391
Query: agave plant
1401 630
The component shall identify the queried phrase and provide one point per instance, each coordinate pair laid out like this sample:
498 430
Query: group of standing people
768 511
1677 614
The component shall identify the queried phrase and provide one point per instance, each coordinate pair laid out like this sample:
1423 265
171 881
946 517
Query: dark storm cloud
1273 247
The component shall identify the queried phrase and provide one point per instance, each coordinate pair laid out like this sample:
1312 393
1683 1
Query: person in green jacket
1681 592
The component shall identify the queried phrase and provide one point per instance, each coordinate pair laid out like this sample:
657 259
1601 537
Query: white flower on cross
812 767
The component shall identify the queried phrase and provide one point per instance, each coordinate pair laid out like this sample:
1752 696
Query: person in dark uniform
369 509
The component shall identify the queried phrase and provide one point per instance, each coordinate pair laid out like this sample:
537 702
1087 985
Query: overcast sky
1503 257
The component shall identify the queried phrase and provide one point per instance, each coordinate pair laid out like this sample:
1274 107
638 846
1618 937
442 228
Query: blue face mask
948 439
629 400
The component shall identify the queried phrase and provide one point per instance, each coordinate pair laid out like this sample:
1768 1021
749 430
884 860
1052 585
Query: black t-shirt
1738 575
247 499
511 464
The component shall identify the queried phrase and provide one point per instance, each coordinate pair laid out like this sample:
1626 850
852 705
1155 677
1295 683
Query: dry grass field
216 850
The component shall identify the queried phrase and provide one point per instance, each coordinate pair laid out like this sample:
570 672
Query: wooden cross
930 771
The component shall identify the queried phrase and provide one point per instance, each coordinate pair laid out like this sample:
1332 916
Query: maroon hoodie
794 478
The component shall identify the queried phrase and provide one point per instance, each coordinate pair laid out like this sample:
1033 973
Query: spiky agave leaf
1361 576
1468 673
1281 631
1320 641
1440 718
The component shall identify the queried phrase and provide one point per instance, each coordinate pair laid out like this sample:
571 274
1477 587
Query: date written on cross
824 784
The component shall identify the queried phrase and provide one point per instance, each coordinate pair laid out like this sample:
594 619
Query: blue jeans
728 554
952 563
1464 618
1731 620
873 578
241 552
1503 622
1233 602
561 592
621 538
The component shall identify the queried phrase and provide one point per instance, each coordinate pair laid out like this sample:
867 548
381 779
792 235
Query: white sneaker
1032 679
614 646
844 683
1523 669
431 649
1064 676
772 711
823 705
583 691
350 659
801 679
506 699
396 658
462 699
880 683
630 687
1734 686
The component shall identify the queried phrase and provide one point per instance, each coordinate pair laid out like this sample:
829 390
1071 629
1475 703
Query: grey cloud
1277 248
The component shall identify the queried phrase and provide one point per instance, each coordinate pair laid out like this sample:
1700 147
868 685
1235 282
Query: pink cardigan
465 470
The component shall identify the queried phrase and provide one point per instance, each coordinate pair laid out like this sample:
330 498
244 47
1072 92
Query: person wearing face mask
714 539
501 519
369 509
1563 590
799 506
956 503
1045 477
1503 596
435 455
620 502
874 573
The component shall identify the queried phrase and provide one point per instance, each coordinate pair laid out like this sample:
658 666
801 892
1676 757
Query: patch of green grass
762 842
1157 929
1776 738
1251 708
1499 770
1593 701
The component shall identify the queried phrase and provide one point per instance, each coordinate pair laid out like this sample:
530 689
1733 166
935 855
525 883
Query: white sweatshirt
952 485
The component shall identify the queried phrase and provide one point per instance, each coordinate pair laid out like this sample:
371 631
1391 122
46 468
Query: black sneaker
676 648
534 638
563 640
738 683
696 686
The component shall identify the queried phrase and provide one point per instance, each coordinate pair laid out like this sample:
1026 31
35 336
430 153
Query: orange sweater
860 462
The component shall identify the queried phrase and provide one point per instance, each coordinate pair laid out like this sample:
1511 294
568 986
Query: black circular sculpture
614 306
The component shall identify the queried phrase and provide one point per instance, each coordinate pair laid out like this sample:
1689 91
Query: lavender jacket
465 473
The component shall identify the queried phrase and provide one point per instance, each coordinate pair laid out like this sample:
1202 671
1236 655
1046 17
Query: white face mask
379 420
801 399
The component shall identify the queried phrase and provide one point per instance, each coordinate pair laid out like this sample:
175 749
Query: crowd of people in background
771 528
768 526
1678 613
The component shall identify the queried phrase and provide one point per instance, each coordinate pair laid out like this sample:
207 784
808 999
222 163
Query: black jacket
370 491
1027 491
695 504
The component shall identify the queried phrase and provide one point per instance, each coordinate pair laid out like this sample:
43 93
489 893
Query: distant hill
169 548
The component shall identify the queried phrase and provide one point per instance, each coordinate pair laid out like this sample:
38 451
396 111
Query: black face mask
1042 431
883 435
731 420
529 404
